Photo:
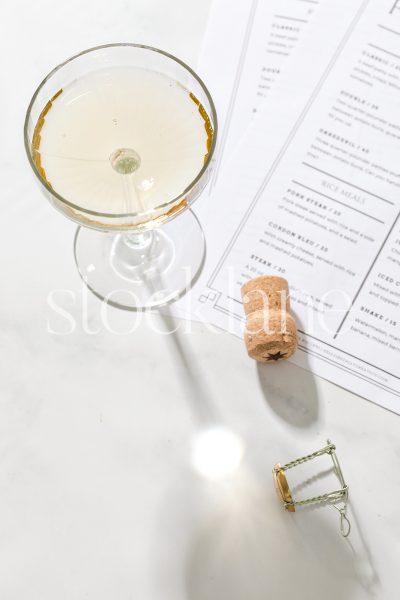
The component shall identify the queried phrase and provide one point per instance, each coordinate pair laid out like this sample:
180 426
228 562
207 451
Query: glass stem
138 240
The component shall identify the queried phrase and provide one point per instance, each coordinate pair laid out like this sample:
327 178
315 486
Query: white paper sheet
248 46
313 193
246 50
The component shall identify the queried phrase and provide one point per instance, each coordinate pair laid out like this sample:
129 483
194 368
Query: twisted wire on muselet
335 496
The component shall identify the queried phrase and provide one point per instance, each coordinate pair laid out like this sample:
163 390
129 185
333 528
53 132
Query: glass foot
141 271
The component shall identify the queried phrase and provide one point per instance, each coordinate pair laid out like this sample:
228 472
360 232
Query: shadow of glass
252 552
190 374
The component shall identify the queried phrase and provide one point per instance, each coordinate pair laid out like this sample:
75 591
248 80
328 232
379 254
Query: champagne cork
271 331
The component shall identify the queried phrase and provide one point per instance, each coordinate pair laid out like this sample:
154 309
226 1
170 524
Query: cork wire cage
142 249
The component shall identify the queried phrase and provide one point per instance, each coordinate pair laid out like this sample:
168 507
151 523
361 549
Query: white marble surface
98 495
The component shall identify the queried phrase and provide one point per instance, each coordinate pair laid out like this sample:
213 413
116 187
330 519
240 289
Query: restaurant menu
312 193
246 51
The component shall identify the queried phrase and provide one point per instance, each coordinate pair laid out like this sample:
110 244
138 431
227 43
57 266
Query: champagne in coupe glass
121 138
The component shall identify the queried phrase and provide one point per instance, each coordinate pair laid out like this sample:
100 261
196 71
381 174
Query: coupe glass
121 252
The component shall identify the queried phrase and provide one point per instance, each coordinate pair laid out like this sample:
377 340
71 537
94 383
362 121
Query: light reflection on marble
98 495
217 453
